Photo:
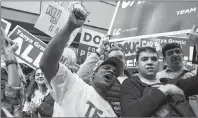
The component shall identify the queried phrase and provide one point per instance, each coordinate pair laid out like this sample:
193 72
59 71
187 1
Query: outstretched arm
50 59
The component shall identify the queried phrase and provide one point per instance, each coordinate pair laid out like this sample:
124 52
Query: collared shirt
169 73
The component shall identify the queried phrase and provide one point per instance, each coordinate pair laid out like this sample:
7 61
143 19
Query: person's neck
175 68
148 79
100 91
40 87
122 75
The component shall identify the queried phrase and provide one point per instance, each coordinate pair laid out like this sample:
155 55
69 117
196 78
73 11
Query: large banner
5 25
130 47
54 16
145 19
30 48
89 42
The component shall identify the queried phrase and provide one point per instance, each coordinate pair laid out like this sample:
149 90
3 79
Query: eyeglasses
171 52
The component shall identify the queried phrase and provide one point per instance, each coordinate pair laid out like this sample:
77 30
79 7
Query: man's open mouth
108 77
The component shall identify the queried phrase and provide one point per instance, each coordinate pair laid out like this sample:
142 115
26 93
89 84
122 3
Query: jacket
135 104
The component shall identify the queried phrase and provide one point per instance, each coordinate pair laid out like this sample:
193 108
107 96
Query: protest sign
89 42
185 43
130 47
5 25
30 48
145 19
54 16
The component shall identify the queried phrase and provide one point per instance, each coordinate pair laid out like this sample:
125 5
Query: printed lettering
54 13
82 52
126 4
87 37
129 47
96 110
131 63
51 27
57 30
96 39
116 31
25 38
186 11
89 109
37 60
26 52
19 31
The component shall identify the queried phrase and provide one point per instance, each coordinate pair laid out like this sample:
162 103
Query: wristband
8 62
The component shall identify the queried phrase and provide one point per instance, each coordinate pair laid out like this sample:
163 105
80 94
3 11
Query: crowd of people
102 86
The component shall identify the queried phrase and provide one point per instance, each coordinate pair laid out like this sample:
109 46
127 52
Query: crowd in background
103 83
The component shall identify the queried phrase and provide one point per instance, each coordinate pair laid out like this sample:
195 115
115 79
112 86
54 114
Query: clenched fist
78 15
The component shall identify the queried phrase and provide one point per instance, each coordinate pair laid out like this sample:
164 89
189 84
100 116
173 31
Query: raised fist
78 15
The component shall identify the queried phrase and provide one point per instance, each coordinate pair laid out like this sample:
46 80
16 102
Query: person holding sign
74 97
11 82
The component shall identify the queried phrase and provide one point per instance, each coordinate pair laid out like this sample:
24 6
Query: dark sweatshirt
135 104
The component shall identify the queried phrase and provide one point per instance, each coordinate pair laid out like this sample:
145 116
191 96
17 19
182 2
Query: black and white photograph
100 58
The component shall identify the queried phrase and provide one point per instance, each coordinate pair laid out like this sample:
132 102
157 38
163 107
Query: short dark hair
145 49
170 46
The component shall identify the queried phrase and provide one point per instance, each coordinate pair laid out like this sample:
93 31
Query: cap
117 62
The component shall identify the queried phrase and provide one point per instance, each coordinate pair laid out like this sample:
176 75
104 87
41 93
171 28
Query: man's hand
170 89
8 47
77 16
104 45
116 107
193 35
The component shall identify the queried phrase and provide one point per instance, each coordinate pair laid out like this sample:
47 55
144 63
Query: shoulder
161 74
132 82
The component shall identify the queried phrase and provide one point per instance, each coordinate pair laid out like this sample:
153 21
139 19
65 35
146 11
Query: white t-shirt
74 98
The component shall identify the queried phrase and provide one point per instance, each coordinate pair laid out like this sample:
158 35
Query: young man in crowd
174 57
74 97
85 71
146 96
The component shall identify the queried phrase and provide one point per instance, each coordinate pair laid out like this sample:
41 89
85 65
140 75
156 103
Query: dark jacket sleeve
46 108
189 85
134 104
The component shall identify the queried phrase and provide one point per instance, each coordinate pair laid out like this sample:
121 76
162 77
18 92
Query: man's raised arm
50 59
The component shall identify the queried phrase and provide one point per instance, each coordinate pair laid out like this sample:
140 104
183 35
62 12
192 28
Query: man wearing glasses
176 68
